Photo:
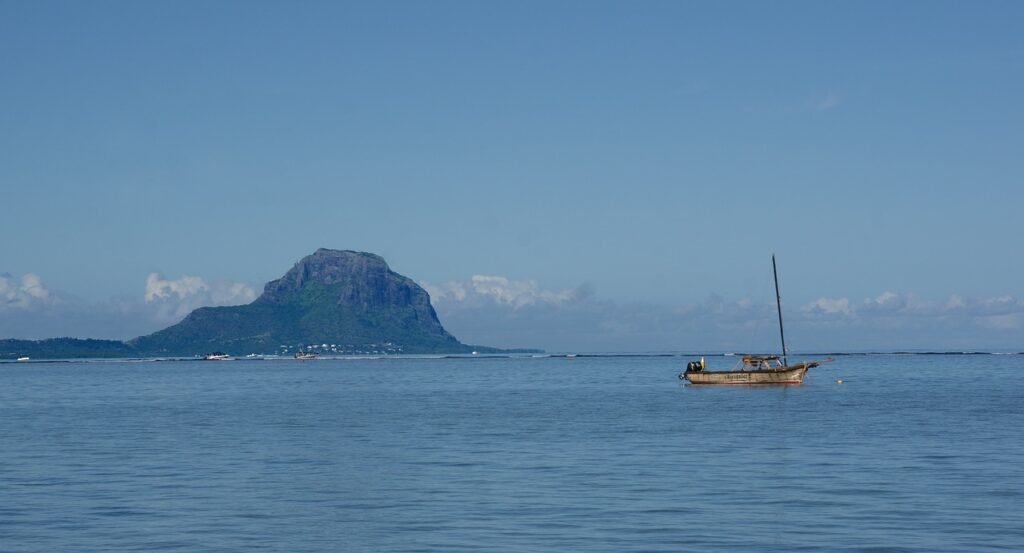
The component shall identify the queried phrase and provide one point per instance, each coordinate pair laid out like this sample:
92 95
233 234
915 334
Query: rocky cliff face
360 278
332 296
358 281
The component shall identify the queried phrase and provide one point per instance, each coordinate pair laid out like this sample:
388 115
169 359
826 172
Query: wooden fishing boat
755 369
751 369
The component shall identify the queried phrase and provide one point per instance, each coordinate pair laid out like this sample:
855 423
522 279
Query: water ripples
510 455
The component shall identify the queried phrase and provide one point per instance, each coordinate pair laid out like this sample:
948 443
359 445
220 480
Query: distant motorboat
216 356
24 358
304 355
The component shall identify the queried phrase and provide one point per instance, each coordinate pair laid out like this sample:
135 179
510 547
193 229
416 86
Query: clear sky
566 175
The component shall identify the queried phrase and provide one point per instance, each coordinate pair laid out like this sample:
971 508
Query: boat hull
792 374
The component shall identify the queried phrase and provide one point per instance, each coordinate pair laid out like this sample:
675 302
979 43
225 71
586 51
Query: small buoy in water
840 381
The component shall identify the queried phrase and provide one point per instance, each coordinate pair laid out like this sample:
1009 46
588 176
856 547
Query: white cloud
955 302
892 304
171 300
497 311
29 309
503 312
158 288
888 301
27 293
233 293
1002 305
500 290
829 306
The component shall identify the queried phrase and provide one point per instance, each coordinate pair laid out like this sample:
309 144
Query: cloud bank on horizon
499 290
25 293
499 311
172 300
29 309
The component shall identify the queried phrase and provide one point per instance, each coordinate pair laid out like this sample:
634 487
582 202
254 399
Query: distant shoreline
518 354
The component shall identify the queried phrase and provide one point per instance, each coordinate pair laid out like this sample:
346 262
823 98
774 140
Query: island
332 301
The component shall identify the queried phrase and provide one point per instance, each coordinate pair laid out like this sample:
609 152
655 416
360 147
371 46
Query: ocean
911 453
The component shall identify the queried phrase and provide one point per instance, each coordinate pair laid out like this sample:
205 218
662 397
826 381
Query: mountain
350 301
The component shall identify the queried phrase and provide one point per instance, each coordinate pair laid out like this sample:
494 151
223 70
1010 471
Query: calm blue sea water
911 453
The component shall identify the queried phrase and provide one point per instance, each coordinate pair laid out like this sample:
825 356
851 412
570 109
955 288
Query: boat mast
778 304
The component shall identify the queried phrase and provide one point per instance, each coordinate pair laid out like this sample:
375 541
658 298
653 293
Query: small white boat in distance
24 358
216 356
304 355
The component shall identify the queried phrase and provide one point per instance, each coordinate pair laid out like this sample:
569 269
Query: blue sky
626 167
